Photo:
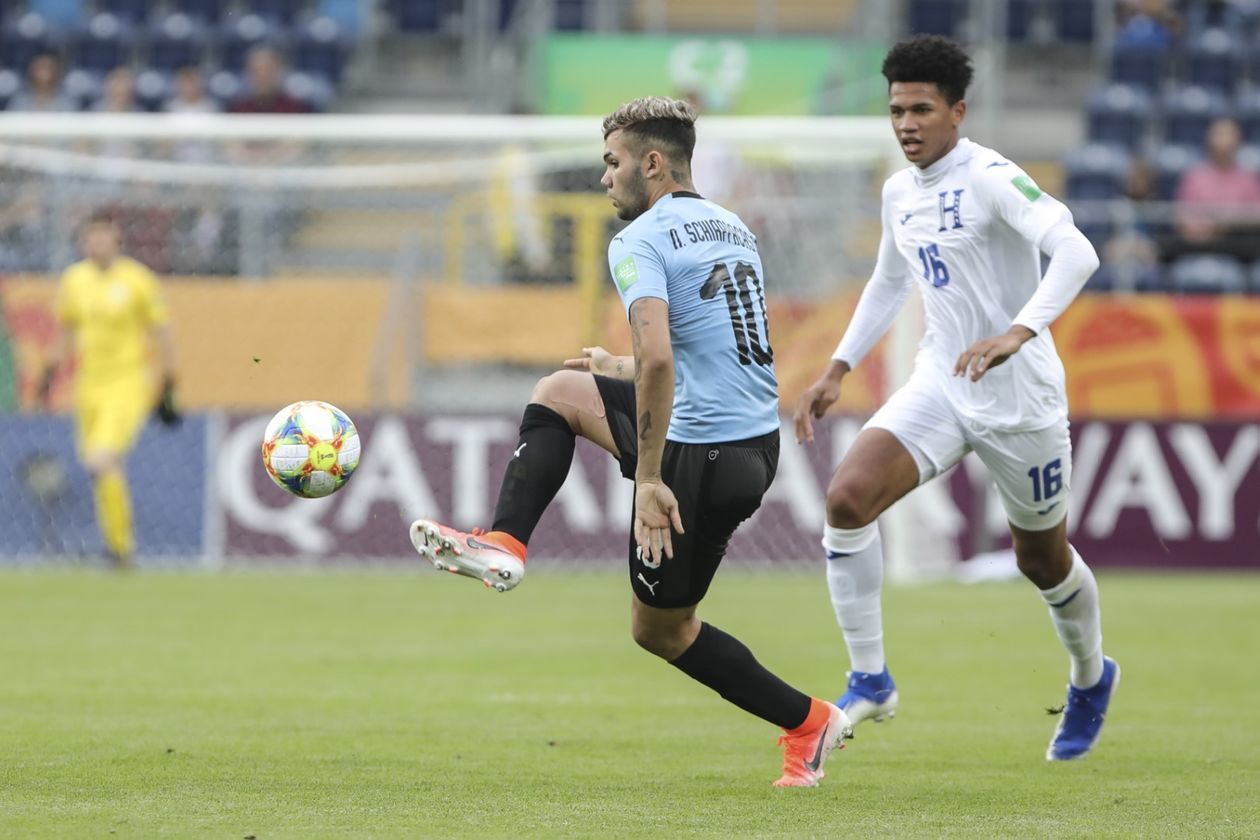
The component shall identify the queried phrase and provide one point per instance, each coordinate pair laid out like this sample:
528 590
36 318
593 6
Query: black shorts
718 486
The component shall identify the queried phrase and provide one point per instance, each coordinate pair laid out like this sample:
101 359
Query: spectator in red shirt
1218 201
264 71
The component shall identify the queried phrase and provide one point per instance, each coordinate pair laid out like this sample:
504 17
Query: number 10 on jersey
743 293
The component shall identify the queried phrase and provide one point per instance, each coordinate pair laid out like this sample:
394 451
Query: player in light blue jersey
692 416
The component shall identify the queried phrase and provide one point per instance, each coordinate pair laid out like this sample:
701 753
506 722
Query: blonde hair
650 109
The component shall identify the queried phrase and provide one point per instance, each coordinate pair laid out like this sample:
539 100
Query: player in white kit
968 227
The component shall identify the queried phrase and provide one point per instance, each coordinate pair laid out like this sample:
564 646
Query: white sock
854 579
1077 620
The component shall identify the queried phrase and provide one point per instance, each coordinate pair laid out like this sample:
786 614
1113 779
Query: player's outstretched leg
855 574
562 406
495 559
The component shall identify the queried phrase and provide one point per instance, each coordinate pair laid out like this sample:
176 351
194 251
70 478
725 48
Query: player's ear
653 164
959 111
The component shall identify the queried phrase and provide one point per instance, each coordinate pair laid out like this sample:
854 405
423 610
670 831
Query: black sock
725 665
544 453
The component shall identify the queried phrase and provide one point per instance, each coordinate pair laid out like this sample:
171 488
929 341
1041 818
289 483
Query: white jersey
967 231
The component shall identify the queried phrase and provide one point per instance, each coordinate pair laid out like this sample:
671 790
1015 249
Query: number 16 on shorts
1047 481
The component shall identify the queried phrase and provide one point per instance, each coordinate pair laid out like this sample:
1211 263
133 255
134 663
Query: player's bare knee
567 393
666 639
846 507
1043 561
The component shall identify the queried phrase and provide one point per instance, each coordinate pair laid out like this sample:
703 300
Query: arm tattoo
621 367
645 425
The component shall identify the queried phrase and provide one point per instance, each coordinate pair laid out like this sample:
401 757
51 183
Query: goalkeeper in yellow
110 311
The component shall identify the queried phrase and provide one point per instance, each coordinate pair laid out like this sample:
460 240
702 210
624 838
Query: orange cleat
492 557
807 747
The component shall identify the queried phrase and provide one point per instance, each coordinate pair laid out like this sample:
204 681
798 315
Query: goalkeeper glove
165 411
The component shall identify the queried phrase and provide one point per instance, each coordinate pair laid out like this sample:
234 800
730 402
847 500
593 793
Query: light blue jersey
702 260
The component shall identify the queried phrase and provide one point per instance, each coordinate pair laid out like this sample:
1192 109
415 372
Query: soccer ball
310 448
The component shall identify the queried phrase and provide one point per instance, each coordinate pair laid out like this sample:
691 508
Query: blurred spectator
1132 251
43 87
190 93
1218 202
199 225
118 92
264 71
1147 23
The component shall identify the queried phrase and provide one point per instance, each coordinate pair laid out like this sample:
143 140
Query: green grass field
419 705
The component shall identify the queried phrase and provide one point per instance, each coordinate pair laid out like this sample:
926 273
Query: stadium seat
240 35
10 84
1019 18
347 14
570 15
1253 278
1208 274
1170 163
1074 20
321 49
175 41
132 11
1096 172
936 17
314 91
1247 112
1237 16
59 14
1214 61
82 87
1188 112
25 37
206 11
1119 114
1140 65
282 12
418 15
104 43
225 86
153 88
1111 277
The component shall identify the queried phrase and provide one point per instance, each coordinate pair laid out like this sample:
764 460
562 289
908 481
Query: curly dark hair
930 58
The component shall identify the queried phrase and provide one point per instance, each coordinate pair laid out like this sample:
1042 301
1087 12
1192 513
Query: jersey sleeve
1015 198
637 267
152 300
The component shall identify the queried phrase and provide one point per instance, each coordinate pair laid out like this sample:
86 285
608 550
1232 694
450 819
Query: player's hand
597 360
988 353
655 514
817 398
165 410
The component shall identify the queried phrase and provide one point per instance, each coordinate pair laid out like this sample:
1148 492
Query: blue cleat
1083 715
869 696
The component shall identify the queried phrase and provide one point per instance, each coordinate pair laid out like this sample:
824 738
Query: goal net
420 272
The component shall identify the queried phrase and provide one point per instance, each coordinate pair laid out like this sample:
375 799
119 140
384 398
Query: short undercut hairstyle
656 122
930 58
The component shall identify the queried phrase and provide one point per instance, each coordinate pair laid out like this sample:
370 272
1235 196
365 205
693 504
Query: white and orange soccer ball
310 448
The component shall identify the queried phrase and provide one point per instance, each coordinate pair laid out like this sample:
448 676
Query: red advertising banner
1162 495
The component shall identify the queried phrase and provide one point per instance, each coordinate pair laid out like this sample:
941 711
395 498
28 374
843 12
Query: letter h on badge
955 208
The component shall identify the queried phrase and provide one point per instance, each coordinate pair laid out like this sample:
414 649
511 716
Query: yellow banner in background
247 345
357 342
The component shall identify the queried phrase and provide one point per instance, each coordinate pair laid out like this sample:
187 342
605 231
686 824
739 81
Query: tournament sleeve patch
1027 186
626 273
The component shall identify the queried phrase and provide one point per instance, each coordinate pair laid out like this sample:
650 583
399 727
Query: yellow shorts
109 415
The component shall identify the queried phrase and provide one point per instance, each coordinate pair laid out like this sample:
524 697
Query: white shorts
1032 470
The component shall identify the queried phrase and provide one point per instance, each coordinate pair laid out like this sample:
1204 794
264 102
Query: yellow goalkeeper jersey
110 313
